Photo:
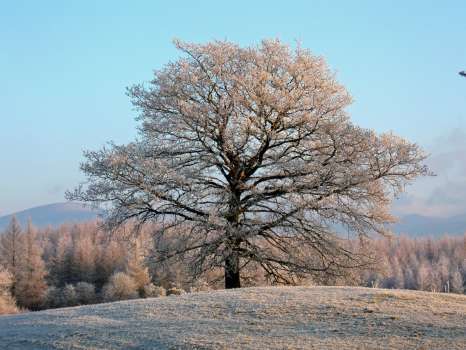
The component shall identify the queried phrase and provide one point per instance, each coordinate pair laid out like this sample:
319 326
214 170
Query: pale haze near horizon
65 66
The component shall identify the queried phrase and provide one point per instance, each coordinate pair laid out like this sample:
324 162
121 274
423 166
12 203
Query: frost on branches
247 156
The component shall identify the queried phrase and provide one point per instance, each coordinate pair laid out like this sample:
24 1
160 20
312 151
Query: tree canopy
247 155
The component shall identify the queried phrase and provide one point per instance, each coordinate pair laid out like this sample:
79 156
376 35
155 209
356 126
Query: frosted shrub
200 286
175 291
6 281
7 302
8 305
85 293
70 297
54 298
152 291
120 287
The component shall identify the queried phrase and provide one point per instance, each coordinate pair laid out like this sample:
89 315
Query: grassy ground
252 318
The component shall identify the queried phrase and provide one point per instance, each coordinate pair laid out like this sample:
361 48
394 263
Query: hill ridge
53 214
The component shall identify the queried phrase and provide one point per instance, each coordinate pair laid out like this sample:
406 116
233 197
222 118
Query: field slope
251 318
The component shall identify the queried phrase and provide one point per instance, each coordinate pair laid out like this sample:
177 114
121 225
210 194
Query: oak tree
248 155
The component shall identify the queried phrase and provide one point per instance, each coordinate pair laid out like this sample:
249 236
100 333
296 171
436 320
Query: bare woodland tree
31 287
10 245
136 269
249 155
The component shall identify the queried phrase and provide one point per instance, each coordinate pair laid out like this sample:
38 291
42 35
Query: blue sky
64 66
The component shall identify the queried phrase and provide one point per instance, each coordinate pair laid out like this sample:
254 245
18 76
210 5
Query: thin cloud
444 194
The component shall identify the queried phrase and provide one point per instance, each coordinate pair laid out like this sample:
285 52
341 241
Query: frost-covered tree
10 246
112 257
456 282
136 269
60 260
83 259
31 287
249 154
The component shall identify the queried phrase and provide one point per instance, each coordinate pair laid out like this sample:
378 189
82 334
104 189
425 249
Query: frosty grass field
251 318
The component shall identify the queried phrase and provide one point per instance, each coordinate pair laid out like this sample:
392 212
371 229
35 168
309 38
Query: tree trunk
232 277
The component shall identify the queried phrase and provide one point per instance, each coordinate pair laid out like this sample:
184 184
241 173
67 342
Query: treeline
80 264
421 264
83 264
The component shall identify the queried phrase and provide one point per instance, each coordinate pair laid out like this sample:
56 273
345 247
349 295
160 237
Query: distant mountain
52 214
418 225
